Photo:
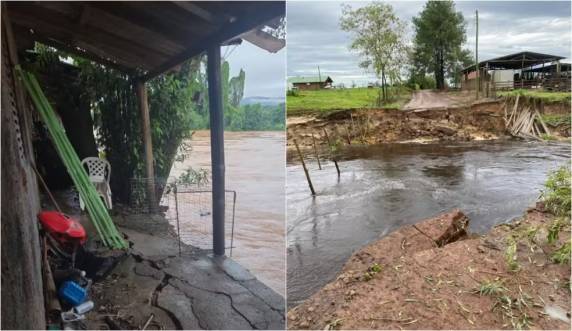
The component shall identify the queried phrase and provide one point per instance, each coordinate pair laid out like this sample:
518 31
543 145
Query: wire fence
188 208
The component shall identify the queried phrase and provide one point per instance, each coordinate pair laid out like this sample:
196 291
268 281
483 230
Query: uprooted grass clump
554 230
510 254
490 288
557 196
513 310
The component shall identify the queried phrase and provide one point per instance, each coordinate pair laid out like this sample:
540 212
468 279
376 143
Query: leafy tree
378 37
439 35
236 88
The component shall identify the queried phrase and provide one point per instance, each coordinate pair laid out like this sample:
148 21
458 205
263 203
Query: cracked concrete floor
194 291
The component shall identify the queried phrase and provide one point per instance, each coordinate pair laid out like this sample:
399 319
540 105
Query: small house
311 83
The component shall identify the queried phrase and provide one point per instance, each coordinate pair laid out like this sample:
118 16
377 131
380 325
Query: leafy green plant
372 270
375 268
491 288
562 255
556 195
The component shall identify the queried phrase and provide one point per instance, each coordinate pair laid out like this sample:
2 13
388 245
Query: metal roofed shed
516 61
529 70
310 82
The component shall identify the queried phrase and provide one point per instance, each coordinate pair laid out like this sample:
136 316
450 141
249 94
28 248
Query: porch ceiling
143 38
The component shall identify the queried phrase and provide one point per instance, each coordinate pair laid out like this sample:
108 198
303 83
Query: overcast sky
315 39
265 71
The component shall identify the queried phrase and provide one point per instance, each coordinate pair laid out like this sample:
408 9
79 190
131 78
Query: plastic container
72 293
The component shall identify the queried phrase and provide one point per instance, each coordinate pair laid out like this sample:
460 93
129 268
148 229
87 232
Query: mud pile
433 275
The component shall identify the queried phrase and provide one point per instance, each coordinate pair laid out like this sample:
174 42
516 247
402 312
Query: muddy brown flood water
386 186
255 170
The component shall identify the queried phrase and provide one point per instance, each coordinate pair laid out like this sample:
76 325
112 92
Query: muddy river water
255 170
386 186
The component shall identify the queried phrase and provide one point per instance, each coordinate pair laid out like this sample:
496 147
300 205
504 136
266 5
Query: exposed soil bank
425 276
479 121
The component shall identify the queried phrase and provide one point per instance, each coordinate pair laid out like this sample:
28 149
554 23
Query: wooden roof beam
59 25
46 18
87 55
198 11
270 11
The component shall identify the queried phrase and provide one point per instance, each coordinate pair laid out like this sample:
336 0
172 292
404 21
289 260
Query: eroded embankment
433 275
479 121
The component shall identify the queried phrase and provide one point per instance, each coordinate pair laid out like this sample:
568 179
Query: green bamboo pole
97 210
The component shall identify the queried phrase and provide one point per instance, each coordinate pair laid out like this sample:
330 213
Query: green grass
548 137
556 120
546 96
491 288
322 102
562 255
557 195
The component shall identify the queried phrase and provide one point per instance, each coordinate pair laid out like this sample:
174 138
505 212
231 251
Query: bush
557 196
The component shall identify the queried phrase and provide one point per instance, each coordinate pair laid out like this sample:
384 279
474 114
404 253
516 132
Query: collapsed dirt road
429 99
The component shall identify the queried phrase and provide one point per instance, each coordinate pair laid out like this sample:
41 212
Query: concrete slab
193 291
179 306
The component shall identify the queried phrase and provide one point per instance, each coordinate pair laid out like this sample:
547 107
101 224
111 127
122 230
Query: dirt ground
435 276
429 99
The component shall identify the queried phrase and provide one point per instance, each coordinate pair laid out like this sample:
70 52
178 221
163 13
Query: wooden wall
22 290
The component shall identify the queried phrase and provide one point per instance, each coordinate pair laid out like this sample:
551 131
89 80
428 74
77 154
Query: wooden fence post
305 169
316 151
331 154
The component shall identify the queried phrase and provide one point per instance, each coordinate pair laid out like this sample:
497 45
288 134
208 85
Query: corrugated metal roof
310 79
516 61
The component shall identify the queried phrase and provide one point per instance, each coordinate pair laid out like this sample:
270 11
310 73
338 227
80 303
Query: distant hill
268 101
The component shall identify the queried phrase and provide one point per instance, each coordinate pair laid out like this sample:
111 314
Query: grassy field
321 102
547 96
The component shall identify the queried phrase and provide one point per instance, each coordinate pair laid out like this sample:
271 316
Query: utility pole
319 75
477 52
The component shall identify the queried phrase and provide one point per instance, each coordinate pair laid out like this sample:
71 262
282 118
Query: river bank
483 120
383 187
435 275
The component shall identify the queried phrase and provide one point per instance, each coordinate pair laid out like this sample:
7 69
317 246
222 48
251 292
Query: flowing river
383 187
255 170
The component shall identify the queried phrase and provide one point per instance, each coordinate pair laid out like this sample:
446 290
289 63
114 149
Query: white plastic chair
99 172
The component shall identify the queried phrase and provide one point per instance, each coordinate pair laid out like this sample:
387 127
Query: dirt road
428 99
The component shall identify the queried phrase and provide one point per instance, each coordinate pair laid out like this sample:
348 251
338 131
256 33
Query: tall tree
439 35
378 37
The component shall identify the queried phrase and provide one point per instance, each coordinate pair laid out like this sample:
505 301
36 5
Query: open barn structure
519 70
141 39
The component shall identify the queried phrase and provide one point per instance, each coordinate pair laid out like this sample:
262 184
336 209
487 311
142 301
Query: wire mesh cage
187 208
194 215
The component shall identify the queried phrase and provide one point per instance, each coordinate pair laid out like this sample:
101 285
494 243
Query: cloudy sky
265 71
315 39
